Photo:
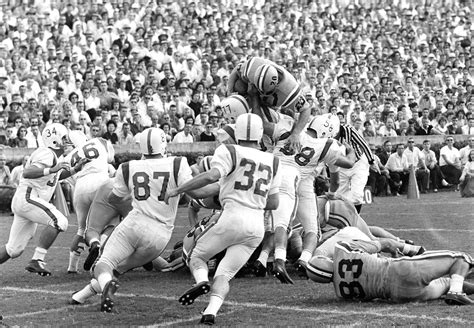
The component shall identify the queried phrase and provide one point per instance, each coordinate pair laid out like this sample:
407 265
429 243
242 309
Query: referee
352 181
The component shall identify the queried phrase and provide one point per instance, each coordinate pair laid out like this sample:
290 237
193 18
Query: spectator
467 177
425 128
469 128
34 138
450 162
5 177
185 135
386 152
110 133
387 130
398 168
417 161
378 180
464 152
125 136
436 176
20 141
208 135
17 171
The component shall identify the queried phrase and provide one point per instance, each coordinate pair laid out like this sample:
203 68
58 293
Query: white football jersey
248 175
44 186
147 181
99 151
313 151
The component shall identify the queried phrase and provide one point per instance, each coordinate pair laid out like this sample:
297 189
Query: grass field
438 221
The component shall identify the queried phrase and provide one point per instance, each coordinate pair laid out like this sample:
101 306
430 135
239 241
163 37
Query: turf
437 221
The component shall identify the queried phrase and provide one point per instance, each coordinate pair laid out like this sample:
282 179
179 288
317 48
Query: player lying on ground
360 272
142 236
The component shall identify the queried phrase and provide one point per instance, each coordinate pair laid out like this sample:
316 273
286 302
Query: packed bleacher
113 68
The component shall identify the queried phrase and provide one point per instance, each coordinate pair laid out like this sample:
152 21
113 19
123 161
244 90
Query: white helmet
226 135
320 269
78 138
325 126
266 79
55 136
248 127
234 105
153 141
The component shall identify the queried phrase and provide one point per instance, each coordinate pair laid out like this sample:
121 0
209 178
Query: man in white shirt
416 159
398 167
450 162
469 127
464 152
34 137
185 135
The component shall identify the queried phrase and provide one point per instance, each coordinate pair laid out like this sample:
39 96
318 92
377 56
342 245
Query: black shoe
72 301
300 266
148 266
38 267
259 269
458 299
208 319
93 255
279 271
107 302
197 290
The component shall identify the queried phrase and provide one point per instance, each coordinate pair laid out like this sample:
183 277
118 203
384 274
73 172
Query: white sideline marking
387 312
60 309
194 318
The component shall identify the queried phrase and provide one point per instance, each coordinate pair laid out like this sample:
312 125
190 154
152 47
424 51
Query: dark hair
18 132
111 122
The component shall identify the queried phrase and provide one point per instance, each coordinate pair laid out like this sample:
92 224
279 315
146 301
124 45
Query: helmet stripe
249 124
148 142
247 69
262 77
244 103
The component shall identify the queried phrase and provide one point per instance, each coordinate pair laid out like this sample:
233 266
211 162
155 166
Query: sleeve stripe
325 149
233 156
291 97
276 165
176 166
126 172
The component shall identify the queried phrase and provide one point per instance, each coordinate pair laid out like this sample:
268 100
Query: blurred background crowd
113 68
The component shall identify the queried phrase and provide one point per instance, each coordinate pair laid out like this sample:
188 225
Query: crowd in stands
113 68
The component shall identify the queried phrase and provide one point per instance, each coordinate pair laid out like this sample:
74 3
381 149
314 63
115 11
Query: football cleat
38 267
148 266
300 266
72 301
208 319
93 255
458 299
279 271
107 302
197 290
259 269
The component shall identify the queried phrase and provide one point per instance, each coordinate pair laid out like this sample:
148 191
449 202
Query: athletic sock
456 283
280 253
215 303
306 255
263 258
200 275
84 294
73 261
40 253
103 279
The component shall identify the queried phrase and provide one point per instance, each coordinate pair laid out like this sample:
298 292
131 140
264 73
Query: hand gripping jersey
248 175
44 186
147 182
287 94
313 151
100 153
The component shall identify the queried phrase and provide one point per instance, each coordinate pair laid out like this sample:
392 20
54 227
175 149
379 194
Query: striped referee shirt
350 135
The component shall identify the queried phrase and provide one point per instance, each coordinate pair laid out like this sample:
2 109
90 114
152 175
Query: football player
93 176
269 85
297 191
31 205
143 235
359 274
249 181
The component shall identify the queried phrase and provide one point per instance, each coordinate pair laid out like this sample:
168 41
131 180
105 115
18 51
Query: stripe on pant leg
41 206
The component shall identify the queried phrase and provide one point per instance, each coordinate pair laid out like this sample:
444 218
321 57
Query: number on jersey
249 173
302 158
90 152
350 289
141 185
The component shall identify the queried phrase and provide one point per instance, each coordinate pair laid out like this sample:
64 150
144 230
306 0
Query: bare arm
34 172
272 202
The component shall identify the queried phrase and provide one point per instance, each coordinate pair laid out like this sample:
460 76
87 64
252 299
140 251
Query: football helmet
55 136
248 127
233 106
78 138
320 269
325 126
266 79
226 135
153 141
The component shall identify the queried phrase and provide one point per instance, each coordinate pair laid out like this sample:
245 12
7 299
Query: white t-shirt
451 154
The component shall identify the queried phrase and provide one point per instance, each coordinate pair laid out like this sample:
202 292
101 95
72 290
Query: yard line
179 321
431 229
387 312
60 309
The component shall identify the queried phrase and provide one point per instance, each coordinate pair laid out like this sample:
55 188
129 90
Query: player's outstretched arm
206 191
197 182
34 172
272 202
